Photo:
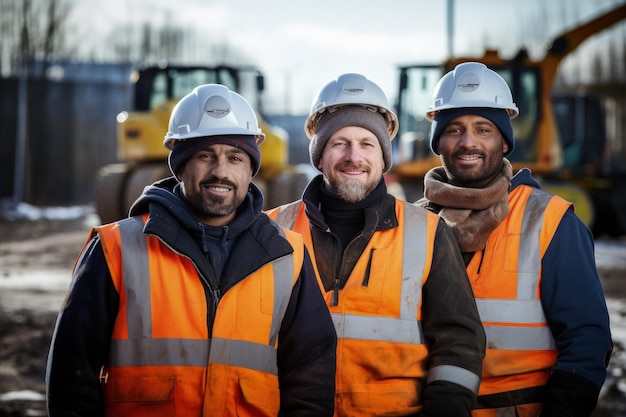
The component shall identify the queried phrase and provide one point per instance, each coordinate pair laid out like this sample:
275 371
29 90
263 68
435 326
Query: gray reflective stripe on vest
529 266
142 350
244 354
510 311
135 264
155 352
284 270
526 308
454 374
406 328
287 214
519 338
251 355
382 329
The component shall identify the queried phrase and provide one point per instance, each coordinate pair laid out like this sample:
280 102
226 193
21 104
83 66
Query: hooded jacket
305 349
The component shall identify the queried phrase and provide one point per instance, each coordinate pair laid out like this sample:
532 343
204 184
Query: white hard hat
212 110
472 84
350 89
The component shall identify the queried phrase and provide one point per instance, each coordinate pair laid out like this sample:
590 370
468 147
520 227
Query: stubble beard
478 178
217 207
213 206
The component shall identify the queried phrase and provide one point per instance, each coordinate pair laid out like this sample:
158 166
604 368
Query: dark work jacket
306 349
445 309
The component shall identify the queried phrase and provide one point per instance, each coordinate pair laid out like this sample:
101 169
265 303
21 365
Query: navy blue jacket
573 302
572 297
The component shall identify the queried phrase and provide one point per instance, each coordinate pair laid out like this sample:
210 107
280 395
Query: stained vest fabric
506 280
381 351
161 351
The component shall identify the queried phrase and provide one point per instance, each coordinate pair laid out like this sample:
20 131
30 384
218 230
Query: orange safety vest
162 360
381 351
506 279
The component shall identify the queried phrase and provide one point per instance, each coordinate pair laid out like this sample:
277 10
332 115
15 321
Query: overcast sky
301 45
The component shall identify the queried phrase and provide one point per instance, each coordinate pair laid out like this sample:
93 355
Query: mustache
467 153
350 165
216 181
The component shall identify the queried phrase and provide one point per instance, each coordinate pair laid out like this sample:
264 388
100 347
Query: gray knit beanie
351 115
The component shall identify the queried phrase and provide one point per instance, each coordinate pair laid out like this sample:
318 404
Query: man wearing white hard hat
410 340
197 304
530 259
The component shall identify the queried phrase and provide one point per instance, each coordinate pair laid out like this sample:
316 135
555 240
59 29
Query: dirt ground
53 245
25 334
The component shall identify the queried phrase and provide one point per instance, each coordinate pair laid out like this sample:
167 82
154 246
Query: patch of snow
24 211
24 395
610 253
43 280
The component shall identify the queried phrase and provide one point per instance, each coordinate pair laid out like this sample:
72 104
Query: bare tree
146 43
617 56
53 44
32 34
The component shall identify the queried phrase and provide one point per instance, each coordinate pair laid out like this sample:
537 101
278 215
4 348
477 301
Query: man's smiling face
215 181
472 149
352 163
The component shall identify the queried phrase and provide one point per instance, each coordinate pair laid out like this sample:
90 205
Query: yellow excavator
573 169
140 132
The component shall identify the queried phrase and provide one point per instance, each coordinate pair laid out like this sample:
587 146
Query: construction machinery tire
617 200
262 186
141 176
285 188
410 190
583 203
109 190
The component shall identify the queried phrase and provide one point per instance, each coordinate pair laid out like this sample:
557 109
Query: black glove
446 399
569 395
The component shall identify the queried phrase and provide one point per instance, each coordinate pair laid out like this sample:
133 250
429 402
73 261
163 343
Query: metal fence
68 134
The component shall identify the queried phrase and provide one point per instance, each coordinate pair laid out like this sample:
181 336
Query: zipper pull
216 299
335 298
104 376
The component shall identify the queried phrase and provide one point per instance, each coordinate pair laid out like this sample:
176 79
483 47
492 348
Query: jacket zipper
215 292
366 276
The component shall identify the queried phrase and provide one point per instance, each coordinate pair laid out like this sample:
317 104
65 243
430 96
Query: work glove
447 399
569 395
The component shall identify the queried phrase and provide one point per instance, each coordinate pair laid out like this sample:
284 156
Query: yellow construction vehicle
140 132
540 143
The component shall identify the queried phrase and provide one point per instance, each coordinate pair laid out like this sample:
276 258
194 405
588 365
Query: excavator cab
537 141
558 137
413 154
142 158
157 90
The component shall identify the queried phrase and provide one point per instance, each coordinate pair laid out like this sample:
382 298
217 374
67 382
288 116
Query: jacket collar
381 215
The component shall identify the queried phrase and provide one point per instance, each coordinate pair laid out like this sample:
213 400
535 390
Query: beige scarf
472 213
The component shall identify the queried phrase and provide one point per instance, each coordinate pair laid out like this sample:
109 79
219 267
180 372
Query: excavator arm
567 42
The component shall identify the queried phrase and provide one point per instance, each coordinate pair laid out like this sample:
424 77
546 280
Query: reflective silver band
455 374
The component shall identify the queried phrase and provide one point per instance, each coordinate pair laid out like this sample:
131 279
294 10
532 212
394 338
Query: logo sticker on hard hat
352 91
353 87
217 107
468 82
